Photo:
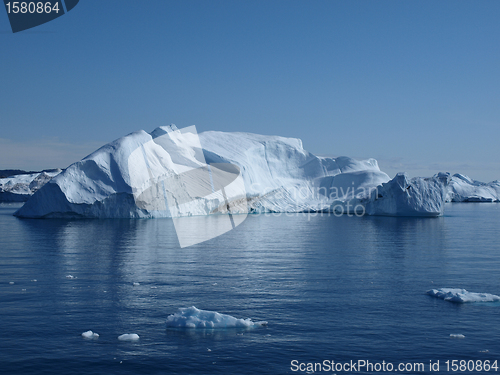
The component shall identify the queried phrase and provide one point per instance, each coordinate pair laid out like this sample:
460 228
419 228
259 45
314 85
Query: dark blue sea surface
331 288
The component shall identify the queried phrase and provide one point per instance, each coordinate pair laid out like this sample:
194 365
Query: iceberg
403 196
176 173
191 317
462 295
19 187
462 188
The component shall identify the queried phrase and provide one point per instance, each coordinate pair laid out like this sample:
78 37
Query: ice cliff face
134 177
403 196
19 188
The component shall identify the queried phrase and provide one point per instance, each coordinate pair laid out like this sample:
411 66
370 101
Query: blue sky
414 84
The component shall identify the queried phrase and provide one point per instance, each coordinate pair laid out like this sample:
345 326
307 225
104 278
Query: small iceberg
90 335
462 295
457 336
191 317
129 337
70 277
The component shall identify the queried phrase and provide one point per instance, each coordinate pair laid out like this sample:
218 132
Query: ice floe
462 295
191 317
129 337
90 335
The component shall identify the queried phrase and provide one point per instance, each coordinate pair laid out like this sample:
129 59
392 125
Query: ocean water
331 288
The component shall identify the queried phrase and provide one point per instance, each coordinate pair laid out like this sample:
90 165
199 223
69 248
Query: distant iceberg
462 188
462 295
132 177
20 187
191 317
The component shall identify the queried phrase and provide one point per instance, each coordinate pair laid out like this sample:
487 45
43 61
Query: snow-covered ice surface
129 337
277 173
462 188
19 188
191 317
462 295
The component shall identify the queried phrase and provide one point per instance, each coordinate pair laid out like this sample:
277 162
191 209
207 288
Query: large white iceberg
191 317
134 176
462 295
